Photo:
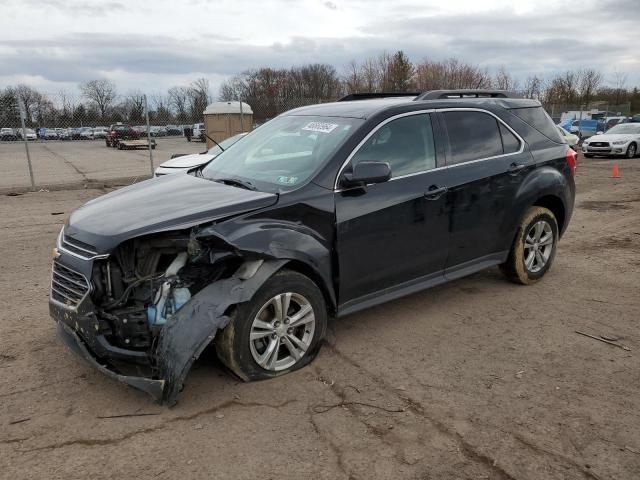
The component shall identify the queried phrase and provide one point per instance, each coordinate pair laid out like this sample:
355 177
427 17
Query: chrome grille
599 144
78 248
67 286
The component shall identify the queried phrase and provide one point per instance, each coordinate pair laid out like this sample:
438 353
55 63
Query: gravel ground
57 164
475 379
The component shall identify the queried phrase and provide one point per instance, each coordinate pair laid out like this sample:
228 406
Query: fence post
241 119
26 145
146 114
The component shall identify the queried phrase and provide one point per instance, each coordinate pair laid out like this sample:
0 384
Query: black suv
323 211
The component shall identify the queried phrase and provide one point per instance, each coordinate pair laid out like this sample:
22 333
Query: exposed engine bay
145 281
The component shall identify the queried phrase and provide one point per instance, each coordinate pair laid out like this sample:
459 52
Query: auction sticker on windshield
321 127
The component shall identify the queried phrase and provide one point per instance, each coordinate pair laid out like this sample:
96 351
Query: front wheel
278 331
631 151
534 247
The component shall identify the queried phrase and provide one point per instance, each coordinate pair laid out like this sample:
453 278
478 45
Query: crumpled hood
188 161
613 138
165 203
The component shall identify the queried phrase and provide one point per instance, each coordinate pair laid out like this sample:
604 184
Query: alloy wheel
282 331
538 245
631 151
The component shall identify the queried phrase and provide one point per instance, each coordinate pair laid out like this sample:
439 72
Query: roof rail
370 95
470 93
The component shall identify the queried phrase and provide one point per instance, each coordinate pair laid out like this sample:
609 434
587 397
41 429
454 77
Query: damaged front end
145 312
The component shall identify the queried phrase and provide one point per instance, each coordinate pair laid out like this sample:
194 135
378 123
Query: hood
614 137
170 202
188 161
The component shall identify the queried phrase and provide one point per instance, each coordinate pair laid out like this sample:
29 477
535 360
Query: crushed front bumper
180 343
71 339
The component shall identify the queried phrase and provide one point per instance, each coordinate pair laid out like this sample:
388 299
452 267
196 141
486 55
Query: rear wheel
278 331
534 247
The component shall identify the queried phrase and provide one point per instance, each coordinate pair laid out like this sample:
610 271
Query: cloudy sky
152 45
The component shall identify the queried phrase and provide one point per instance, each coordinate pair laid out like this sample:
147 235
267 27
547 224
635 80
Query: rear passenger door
486 163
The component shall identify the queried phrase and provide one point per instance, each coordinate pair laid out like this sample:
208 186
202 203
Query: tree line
277 90
271 91
100 104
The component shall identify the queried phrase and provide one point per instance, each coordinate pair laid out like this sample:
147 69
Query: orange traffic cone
615 172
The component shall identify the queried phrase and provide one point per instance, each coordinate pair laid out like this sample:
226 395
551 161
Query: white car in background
569 137
198 132
100 132
623 139
86 133
183 163
29 134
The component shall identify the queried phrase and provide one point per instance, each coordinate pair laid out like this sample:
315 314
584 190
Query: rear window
538 119
472 136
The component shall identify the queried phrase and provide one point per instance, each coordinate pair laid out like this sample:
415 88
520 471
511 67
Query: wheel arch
313 275
556 205
544 187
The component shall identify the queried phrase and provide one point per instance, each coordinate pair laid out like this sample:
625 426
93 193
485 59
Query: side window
406 144
472 136
510 142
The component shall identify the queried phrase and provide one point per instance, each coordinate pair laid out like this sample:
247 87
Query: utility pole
146 114
26 145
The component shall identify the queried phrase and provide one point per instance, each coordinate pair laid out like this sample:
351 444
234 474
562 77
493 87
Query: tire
239 353
632 150
516 268
120 146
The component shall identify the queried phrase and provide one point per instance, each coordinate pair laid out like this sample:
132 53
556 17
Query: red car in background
119 132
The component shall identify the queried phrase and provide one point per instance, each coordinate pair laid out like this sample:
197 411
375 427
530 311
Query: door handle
515 168
434 192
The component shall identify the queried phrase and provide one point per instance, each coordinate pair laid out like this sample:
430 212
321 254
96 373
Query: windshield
282 153
226 143
628 128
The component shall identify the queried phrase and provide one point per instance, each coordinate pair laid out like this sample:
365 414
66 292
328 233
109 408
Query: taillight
571 158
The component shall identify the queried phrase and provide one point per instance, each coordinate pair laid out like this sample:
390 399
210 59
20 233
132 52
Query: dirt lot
475 379
58 163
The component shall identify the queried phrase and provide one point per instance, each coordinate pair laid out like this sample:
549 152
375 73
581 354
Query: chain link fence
54 139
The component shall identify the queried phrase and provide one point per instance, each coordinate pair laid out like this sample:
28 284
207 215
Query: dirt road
475 379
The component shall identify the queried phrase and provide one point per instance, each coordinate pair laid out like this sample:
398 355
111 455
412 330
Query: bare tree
588 82
620 85
450 74
353 78
178 100
101 92
134 107
503 80
533 87
199 97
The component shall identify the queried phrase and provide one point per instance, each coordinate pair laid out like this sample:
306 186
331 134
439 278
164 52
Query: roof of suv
367 108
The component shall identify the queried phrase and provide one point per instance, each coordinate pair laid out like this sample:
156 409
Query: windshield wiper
236 182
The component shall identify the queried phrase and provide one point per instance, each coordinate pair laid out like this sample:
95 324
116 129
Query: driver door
393 235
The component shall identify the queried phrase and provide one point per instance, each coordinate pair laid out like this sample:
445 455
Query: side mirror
599 132
365 173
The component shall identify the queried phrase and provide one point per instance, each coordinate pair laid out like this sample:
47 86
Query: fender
194 326
540 182
277 239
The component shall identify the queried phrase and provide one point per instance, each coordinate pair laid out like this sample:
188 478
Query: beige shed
223 120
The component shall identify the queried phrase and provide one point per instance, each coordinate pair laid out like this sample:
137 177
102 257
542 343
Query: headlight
620 142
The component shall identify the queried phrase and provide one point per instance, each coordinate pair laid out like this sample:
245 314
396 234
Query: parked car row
87 133
13 134
588 127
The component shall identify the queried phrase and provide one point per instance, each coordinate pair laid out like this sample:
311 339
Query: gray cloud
542 41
